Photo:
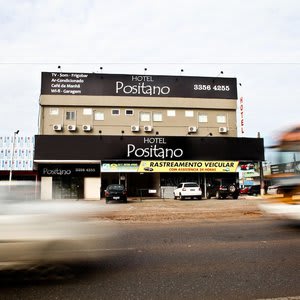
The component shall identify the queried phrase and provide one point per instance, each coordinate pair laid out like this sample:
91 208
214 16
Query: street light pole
261 174
12 155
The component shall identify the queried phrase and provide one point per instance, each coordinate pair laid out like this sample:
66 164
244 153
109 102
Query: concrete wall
46 188
121 124
92 188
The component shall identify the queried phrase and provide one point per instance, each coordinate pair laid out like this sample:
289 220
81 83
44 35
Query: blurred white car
188 190
281 211
38 233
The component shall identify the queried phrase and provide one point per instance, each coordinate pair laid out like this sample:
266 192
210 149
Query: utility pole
261 174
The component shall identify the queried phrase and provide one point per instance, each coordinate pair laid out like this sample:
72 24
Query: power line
149 63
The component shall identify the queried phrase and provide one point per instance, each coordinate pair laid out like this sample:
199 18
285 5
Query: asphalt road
242 259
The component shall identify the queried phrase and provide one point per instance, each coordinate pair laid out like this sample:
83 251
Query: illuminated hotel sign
92 84
152 148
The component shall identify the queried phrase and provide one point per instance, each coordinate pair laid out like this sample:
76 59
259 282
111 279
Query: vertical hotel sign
242 114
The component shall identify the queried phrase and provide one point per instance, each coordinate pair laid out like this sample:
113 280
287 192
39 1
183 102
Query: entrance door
65 187
139 184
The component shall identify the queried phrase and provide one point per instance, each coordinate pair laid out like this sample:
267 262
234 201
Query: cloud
197 30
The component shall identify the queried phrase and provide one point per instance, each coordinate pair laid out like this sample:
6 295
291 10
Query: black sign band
57 83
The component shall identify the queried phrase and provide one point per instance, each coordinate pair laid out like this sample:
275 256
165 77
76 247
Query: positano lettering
153 151
56 172
141 89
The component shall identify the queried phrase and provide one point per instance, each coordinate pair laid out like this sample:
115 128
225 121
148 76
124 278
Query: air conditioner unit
71 127
57 127
192 129
148 128
223 129
86 127
135 128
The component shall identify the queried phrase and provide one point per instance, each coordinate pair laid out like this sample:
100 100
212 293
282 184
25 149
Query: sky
257 42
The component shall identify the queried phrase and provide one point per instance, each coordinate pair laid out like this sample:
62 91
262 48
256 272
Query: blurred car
49 236
222 191
285 192
115 192
282 211
188 190
254 190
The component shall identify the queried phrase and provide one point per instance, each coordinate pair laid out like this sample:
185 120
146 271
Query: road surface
234 259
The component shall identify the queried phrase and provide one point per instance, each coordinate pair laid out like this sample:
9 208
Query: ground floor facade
81 167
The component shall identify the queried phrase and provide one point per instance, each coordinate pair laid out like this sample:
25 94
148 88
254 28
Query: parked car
115 192
222 191
244 190
247 166
254 190
188 190
273 190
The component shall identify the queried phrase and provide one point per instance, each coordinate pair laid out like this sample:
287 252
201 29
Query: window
189 113
157 117
99 116
202 119
145 117
171 113
87 111
54 111
115 112
129 112
70 115
221 119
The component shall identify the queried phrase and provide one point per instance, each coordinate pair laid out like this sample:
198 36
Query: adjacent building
16 157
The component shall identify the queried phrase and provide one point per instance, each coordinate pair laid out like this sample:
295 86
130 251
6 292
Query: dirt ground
170 211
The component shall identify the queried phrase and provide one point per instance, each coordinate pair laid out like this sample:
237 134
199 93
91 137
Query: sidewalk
151 210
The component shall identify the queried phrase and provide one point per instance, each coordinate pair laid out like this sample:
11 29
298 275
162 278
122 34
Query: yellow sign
204 166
